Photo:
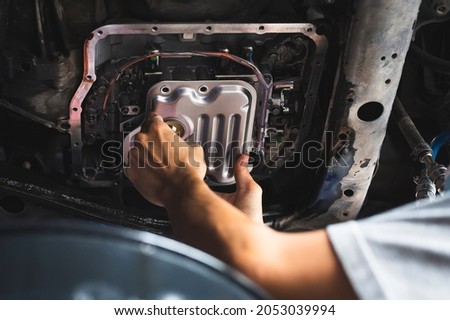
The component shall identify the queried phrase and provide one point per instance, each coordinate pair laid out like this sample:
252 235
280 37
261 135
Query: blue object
438 142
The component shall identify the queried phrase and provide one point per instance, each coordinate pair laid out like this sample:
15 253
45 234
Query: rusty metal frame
366 85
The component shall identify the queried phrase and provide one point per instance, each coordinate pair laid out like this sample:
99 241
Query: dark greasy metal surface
97 50
71 201
199 10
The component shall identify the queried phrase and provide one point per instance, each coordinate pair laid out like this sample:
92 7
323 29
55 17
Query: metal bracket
371 68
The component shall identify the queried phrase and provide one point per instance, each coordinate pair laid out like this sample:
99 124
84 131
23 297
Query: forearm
201 218
171 175
285 265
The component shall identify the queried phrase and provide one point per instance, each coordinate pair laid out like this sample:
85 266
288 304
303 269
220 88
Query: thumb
243 178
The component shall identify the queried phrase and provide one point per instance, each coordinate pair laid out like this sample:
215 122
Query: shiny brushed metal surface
218 115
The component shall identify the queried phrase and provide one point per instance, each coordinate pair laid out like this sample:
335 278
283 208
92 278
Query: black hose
428 60
415 140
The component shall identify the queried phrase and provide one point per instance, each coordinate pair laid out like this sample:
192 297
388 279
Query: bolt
124 110
440 7
90 115
101 89
26 165
90 139
276 111
441 10
298 40
91 118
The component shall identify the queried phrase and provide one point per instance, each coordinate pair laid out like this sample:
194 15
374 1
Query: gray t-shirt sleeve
401 254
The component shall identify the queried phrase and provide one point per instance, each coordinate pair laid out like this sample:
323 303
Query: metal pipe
425 188
435 171
421 149
415 140
429 61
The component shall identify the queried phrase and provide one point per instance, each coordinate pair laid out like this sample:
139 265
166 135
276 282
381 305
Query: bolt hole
12 204
209 28
165 90
261 28
88 77
350 96
394 56
90 172
342 136
349 193
388 81
441 10
203 89
345 214
64 126
99 32
383 58
75 109
155 28
309 30
370 111
76 144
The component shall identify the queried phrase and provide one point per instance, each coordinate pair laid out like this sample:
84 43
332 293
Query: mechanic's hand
161 164
248 195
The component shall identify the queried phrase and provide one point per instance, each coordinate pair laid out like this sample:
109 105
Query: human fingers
244 181
151 118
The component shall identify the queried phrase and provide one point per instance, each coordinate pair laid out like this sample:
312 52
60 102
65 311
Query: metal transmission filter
218 115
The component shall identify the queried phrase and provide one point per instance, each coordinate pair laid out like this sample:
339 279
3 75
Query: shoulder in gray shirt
401 254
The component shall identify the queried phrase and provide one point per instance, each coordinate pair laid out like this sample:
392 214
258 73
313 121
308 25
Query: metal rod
40 28
415 140
421 149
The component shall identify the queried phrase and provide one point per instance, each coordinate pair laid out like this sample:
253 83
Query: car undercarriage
319 93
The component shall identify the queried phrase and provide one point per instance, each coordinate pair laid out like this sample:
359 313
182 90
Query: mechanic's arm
170 173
